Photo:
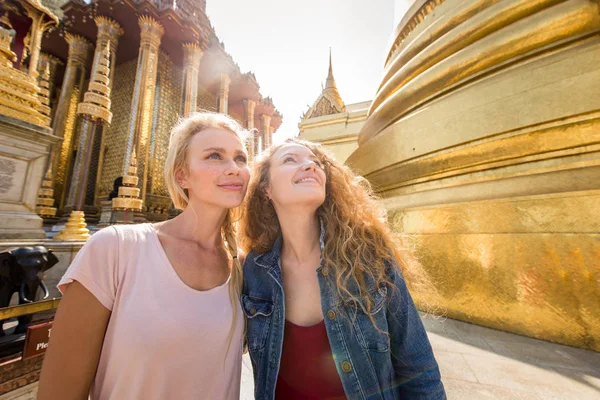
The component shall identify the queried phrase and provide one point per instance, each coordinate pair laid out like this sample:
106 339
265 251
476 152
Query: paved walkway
481 363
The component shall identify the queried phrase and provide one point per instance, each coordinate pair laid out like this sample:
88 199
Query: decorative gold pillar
266 129
18 90
94 110
192 53
63 124
249 106
142 104
96 106
224 93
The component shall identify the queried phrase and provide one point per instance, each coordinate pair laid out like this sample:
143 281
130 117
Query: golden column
266 128
142 104
224 93
95 107
95 111
65 114
192 53
249 106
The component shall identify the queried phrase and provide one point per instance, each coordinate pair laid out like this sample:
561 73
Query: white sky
286 45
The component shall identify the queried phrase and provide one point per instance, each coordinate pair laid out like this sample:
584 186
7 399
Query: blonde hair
181 136
358 241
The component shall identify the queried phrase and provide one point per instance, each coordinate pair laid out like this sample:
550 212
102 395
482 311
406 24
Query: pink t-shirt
164 339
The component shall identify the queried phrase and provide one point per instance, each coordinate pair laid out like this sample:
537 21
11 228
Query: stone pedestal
24 150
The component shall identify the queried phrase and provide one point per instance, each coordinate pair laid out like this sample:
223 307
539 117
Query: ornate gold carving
18 91
45 201
75 228
128 194
95 103
151 31
44 107
79 49
109 31
125 191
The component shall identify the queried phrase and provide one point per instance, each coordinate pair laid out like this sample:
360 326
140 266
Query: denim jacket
393 362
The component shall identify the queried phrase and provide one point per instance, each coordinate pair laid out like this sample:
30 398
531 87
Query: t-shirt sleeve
95 267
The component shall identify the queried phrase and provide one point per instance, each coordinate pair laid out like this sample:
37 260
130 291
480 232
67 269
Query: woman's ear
181 178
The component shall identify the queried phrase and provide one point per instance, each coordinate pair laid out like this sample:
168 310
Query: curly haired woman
329 315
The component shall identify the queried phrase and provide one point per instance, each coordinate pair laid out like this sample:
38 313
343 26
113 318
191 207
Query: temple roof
329 101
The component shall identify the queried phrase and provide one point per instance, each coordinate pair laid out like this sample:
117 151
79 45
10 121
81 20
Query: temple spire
331 88
330 83
329 101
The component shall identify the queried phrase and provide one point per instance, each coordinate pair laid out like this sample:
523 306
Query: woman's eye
214 156
288 159
241 159
318 163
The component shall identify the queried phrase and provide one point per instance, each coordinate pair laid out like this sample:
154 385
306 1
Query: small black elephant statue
20 271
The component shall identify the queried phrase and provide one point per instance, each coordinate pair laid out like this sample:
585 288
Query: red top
307 370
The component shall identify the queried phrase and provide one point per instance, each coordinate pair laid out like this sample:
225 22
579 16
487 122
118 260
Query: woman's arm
416 370
75 343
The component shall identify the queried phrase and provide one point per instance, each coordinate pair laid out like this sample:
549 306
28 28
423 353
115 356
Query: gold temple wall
115 142
207 101
484 143
238 116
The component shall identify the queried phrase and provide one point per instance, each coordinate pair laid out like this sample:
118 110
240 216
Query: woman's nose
310 165
232 168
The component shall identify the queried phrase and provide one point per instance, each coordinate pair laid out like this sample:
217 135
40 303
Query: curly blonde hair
358 242
181 136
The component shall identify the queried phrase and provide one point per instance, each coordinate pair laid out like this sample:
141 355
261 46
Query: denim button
325 271
346 366
253 311
331 315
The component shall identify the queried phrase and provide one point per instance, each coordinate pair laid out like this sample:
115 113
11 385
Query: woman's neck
199 223
301 233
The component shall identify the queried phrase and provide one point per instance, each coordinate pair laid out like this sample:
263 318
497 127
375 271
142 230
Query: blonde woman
329 315
151 311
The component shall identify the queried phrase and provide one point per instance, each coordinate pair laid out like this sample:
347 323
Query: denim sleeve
416 370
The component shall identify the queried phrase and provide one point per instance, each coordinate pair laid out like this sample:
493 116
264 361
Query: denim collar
270 259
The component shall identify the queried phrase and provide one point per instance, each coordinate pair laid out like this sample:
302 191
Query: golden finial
75 228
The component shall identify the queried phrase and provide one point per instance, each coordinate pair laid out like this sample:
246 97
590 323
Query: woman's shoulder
117 234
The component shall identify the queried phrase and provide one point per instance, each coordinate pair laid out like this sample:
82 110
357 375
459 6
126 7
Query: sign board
36 339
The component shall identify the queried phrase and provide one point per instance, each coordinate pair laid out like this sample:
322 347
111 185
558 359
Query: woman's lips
235 187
